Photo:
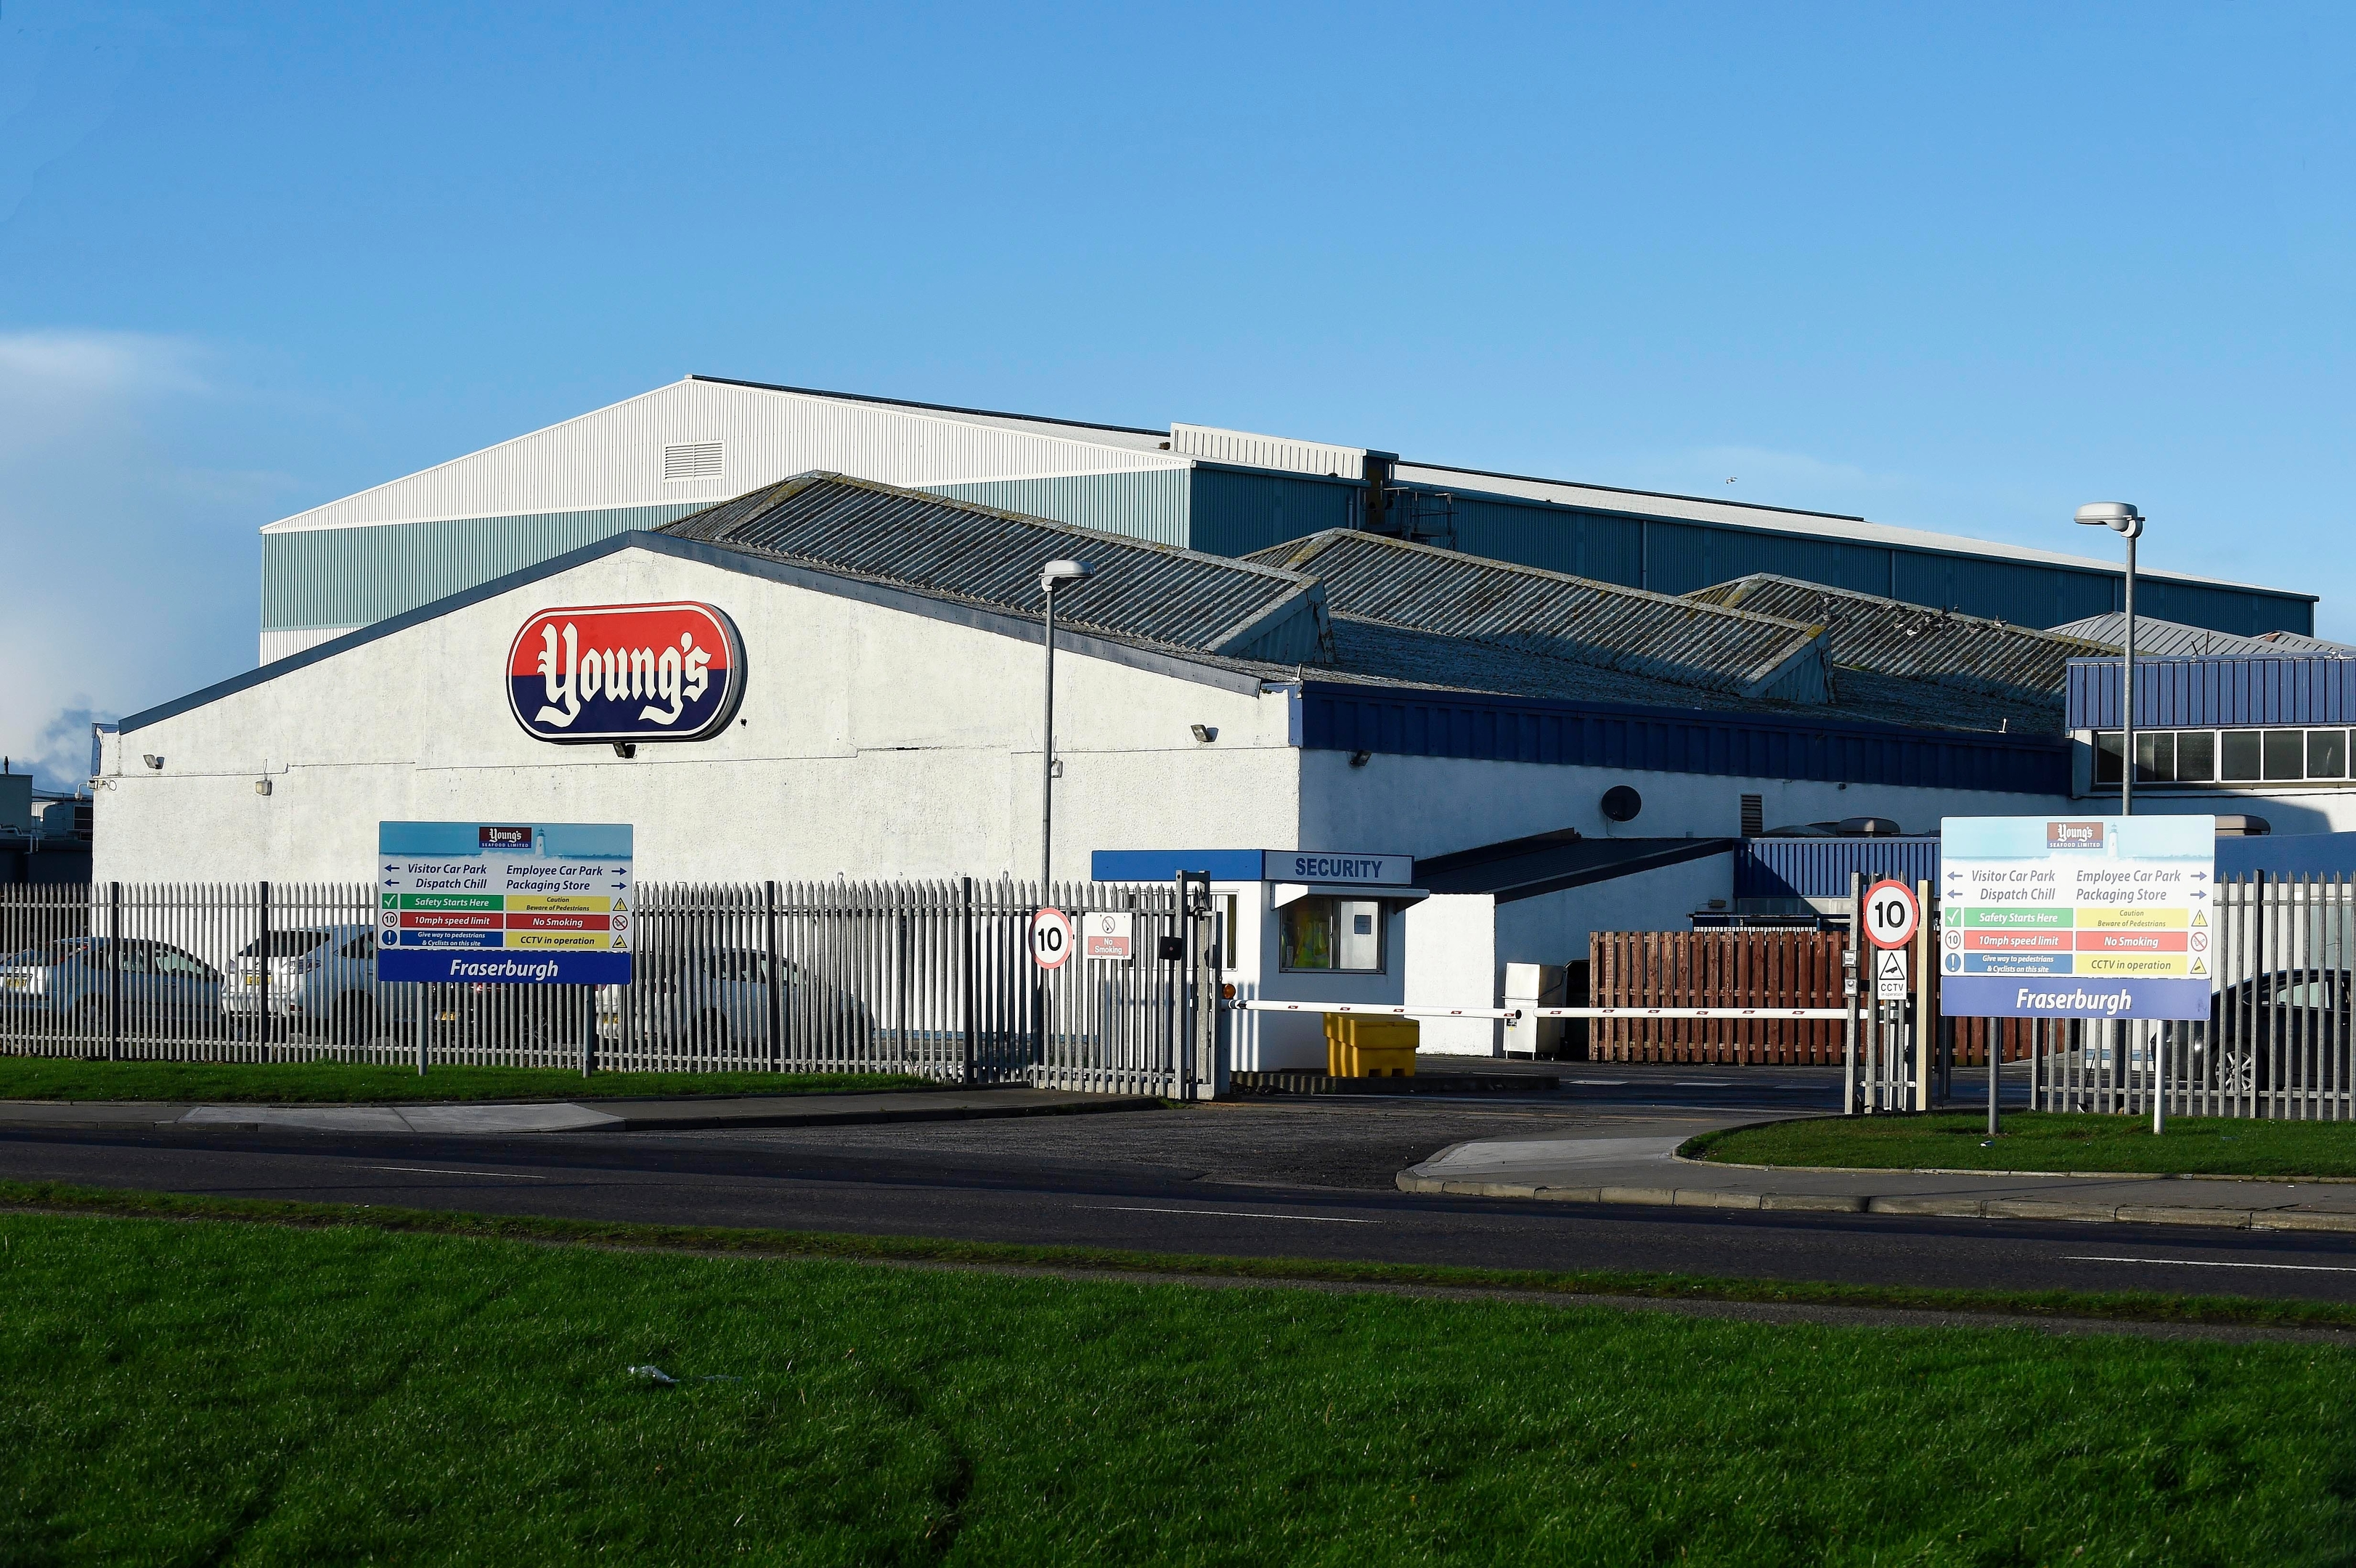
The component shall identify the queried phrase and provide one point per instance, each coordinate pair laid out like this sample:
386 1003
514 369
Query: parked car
715 998
321 979
70 978
2293 1015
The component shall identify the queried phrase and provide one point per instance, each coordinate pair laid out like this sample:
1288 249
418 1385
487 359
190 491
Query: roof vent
694 460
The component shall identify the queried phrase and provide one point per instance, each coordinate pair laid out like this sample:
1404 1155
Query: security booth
1293 926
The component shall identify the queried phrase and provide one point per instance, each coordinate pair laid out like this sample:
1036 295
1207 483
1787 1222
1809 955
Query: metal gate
933 978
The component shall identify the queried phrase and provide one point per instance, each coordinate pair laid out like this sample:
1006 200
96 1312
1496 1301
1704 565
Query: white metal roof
614 457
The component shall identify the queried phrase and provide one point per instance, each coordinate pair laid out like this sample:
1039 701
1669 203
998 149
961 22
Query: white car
320 978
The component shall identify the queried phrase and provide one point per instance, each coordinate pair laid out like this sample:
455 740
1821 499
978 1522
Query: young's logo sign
625 672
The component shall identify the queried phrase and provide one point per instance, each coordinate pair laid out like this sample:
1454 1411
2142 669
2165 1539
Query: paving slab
479 1117
1647 1171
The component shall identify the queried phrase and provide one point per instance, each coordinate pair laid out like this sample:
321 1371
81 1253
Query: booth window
1339 934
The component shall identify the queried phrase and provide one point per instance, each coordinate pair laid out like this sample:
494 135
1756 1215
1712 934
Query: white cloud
130 566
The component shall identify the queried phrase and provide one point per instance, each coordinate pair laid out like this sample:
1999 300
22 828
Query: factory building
653 459
846 683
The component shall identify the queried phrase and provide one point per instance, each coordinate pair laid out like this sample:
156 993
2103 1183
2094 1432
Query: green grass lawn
176 1392
312 1083
2201 1145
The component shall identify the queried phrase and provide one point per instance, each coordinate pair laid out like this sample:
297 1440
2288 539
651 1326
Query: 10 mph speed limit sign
1051 939
1891 914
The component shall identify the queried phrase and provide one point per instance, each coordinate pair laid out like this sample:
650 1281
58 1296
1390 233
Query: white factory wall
613 456
1452 947
872 742
1433 805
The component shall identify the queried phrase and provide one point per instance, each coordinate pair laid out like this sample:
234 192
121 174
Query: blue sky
1958 268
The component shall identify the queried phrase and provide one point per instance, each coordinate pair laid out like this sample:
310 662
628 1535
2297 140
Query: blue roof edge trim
816 579
1474 727
1164 865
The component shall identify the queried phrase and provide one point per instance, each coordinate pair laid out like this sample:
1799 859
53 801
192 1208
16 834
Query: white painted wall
873 742
1452 947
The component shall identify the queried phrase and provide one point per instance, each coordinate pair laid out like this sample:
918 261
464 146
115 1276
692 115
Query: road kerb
2301 1219
1812 1202
1713 1197
2182 1214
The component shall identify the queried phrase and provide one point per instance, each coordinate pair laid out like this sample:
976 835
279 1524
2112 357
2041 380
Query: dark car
2283 1024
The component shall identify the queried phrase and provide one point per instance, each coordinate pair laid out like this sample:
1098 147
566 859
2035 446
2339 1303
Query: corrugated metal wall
1333 717
351 577
1820 867
2224 692
1151 505
1678 556
1233 512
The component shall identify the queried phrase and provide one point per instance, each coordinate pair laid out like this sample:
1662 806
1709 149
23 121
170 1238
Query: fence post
965 937
1853 980
776 1019
588 1031
424 1006
261 947
114 972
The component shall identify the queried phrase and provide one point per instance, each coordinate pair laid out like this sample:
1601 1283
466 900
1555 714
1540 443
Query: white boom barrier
1513 1013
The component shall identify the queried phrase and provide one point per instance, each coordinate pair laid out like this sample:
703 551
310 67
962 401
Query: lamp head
2120 517
1059 574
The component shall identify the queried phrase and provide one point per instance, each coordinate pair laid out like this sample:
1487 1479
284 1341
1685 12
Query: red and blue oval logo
625 672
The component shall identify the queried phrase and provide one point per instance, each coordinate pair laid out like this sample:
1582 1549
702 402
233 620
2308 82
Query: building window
1343 936
2229 757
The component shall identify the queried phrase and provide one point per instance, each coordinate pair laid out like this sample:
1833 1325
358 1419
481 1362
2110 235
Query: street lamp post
1054 575
2124 520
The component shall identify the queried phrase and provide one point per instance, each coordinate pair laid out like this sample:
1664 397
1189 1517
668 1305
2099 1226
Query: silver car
320 978
165 990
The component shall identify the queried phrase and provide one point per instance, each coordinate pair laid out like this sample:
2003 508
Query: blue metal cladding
2191 693
1237 511
357 576
1146 506
2293 854
1820 867
1675 556
1333 717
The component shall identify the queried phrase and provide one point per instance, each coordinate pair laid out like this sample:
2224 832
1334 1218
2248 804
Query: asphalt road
1296 1178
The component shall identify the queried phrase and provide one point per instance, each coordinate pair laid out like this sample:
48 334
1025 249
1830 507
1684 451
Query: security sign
1108 934
1051 939
625 672
1890 975
1891 914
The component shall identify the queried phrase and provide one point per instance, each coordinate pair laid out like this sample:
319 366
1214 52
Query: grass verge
2042 1140
199 1393
46 1197
315 1082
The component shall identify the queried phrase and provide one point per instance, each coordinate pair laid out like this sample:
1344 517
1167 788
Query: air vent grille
692 460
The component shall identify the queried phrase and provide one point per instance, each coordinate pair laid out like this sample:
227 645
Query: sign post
1890 916
2105 919
549 903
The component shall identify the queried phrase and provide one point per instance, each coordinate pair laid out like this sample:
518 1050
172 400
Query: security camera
153 761
1205 734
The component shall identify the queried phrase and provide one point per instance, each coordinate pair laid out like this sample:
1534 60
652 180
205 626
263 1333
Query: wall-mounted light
1206 733
153 761
262 786
625 748
1360 759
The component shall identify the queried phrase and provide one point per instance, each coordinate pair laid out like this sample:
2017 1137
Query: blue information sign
532 903
2098 917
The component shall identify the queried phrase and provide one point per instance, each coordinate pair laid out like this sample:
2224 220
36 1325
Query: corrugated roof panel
1550 613
1889 636
1141 588
2174 639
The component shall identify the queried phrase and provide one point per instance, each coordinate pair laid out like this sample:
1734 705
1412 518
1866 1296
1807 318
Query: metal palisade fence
934 978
